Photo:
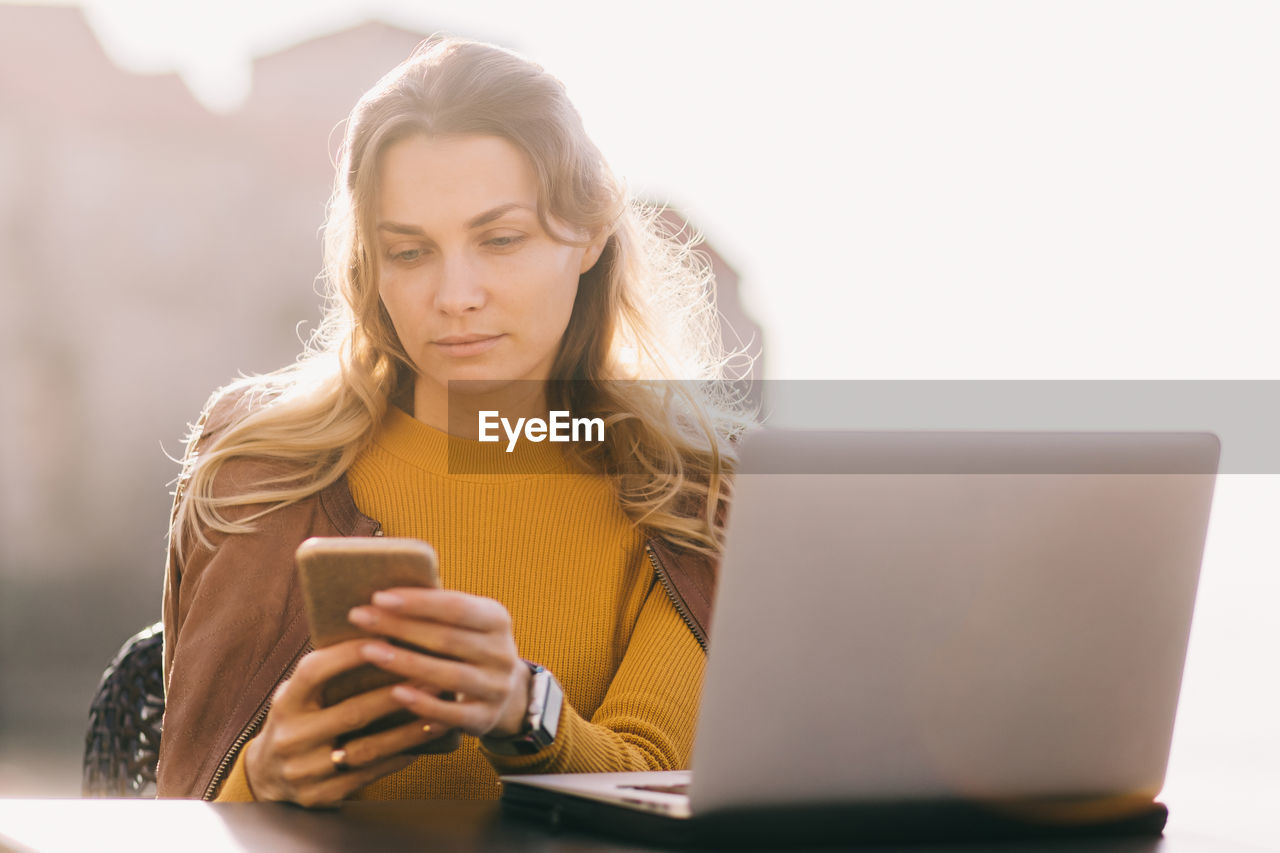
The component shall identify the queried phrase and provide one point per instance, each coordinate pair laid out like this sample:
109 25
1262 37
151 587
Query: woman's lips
462 346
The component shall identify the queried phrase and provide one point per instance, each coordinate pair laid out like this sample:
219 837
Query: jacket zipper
248 731
252 727
680 606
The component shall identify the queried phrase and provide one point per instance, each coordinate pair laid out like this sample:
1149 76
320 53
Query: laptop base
863 823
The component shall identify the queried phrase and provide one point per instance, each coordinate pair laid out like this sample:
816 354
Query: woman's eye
505 242
406 256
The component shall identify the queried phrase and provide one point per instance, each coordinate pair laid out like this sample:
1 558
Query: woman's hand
292 757
480 664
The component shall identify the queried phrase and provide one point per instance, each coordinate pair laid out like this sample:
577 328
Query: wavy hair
645 311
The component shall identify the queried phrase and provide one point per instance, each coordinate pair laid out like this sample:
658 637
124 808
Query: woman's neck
458 413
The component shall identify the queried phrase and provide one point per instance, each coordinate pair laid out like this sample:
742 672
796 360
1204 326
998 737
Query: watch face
546 698
551 712
538 689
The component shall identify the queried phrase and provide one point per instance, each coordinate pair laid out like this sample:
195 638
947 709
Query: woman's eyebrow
475 222
490 215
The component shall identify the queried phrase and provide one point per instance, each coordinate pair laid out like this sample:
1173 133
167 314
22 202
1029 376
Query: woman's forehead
454 178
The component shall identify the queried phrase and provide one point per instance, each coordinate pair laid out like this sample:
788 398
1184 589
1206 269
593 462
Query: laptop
931 635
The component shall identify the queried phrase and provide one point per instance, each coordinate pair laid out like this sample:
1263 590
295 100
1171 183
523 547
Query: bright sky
941 190
947 190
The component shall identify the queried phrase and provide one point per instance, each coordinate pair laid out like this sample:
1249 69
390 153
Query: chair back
122 745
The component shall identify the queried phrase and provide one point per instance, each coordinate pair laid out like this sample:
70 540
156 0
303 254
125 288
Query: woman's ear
593 252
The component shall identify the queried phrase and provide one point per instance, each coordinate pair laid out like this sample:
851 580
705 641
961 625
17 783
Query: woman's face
476 288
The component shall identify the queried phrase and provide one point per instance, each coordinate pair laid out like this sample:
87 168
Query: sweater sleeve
648 716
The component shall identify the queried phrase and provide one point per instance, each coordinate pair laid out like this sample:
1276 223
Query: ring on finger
339 759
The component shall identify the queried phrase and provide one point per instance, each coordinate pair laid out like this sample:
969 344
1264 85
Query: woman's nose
460 288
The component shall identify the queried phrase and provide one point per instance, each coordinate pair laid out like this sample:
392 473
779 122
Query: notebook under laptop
932 635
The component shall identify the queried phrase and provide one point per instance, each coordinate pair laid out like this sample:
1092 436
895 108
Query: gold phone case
340 573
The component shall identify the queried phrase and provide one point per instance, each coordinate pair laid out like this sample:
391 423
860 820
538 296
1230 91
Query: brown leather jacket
235 627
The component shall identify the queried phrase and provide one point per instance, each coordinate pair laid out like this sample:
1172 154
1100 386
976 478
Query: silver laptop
939 617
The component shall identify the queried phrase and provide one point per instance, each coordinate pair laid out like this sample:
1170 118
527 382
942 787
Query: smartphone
339 573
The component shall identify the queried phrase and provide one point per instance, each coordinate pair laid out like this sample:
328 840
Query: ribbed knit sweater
552 546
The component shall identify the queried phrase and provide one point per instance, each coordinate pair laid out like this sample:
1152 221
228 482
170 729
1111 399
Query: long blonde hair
644 311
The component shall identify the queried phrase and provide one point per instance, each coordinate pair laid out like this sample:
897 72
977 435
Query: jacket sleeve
648 716
233 621
220 411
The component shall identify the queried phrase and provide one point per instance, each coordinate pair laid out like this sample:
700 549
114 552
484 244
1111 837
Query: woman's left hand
480 664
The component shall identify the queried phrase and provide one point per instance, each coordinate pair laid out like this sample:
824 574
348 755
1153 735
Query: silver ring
339 759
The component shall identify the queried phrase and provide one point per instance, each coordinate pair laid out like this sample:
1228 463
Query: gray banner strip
1243 414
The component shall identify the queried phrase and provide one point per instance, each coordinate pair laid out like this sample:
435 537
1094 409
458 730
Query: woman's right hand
291 758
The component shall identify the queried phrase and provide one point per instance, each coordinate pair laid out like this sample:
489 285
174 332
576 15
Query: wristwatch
541 720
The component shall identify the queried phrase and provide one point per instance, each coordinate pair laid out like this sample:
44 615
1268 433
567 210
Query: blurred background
913 190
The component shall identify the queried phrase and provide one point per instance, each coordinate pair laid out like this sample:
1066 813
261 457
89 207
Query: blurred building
149 251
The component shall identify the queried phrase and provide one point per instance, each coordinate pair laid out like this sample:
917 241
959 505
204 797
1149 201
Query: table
144 826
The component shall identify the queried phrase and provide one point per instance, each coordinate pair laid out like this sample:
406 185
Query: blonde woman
475 237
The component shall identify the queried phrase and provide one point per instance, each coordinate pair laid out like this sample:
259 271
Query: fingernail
362 616
387 599
374 652
405 694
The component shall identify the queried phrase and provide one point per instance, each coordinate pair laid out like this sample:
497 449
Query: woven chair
122 744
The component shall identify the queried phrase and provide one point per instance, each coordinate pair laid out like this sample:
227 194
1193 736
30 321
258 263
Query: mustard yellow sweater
555 549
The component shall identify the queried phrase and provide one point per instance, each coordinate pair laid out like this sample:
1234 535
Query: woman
481 258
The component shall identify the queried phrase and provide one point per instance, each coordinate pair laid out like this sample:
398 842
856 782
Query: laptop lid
937 615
